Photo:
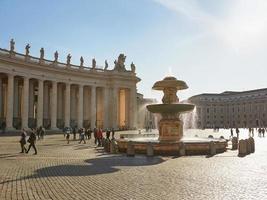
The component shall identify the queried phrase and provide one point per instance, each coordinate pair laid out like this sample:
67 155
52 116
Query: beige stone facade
231 109
38 92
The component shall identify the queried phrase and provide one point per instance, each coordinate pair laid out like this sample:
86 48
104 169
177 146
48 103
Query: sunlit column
10 97
80 107
133 108
1 97
67 105
54 106
106 107
40 103
31 99
115 107
93 107
25 106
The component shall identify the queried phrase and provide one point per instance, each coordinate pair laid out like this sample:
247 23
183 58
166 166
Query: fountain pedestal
170 130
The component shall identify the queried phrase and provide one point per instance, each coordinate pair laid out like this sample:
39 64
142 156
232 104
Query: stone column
1 97
25 106
115 107
10 101
53 112
80 107
40 103
106 107
67 105
133 108
31 99
93 107
16 99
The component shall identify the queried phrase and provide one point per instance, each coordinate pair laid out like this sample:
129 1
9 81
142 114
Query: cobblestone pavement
81 171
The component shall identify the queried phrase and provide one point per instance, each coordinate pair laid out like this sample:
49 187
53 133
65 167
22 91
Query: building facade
39 92
245 109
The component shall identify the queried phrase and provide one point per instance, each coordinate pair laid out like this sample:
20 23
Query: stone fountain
170 140
170 126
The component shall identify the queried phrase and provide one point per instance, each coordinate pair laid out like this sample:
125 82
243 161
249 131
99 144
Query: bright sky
212 45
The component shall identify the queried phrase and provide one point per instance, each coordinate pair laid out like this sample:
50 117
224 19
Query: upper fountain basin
170 108
170 82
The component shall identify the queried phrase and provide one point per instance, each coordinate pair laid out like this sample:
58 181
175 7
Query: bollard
242 148
248 143
130 149
149 149
212 148
252 143
234 143
181 149
107 145
113 147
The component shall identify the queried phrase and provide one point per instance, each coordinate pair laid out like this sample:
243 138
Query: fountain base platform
192 146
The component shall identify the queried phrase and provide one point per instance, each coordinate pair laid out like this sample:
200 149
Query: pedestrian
232 133
42 132
23 141
38 130
107 133
82 135
68 135
237 133
95 135
263 132
113 134
32 141
74 133
89 133
99 137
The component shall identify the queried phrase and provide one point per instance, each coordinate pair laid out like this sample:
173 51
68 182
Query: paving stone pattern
81 171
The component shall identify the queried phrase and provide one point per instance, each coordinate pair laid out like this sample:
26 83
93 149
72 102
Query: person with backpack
32 141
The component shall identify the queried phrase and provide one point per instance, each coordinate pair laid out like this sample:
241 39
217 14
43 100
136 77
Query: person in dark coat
32 141
95 135
23 141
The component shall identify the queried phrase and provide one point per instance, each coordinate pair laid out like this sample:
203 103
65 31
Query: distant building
145 119
231 109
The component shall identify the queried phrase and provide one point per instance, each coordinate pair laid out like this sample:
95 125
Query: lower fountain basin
192 145
170 108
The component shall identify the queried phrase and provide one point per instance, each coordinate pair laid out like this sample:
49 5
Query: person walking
74 133
32 141
107 133
89 133
42 132
23 141
95 135
82 135
67 136
99 137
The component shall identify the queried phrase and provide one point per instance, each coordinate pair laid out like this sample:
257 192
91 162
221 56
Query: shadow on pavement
100 165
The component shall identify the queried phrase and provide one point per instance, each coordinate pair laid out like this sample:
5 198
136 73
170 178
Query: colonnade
27 102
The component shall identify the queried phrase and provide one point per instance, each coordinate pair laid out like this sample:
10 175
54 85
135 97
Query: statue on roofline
81 61
68 59
27 49
12 45
56 56
119 64
106 65
42 53
133 67
93 63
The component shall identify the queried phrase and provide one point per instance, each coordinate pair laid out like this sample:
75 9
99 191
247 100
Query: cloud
243 24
